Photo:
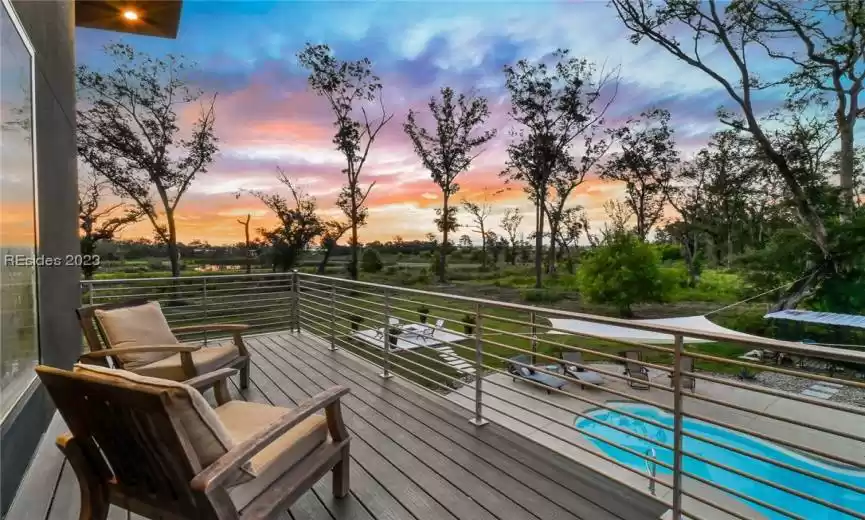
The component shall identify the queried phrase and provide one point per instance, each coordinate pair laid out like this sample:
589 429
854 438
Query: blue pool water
810 486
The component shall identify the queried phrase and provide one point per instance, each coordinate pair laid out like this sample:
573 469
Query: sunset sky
266 117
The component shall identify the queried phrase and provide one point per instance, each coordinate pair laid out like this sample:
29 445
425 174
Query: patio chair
517 368
391 322
686 364
636 371
429 332
570 362
155 447
134 335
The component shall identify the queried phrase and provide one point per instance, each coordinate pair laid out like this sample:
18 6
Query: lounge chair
520 367
134 335
687 365
570 366
636 371
156 447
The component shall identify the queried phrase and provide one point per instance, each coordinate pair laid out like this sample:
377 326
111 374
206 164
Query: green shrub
468 324
542 295
371 261
390 270
623 271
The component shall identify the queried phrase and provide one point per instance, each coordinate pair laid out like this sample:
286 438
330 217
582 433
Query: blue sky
245 51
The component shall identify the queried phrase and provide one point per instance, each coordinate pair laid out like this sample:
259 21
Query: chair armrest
218 379
211 327
235 328
140 350
218 472
203 381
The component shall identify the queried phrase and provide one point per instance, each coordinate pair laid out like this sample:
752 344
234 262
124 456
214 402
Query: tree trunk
323 264
173 252
539 237
483 246
248 251
845 173
729 258
799 290
443 251
352 268
689 255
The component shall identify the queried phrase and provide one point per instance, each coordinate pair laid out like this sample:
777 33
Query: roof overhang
151 17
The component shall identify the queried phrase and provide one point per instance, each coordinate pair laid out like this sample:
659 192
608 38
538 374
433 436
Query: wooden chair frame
127 449
100 347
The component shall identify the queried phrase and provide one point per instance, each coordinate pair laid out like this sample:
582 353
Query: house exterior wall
50 25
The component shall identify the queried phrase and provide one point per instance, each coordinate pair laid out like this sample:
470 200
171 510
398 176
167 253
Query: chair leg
94 500
244 376
341 477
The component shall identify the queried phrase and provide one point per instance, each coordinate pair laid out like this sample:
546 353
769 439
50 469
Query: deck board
413 455
516 462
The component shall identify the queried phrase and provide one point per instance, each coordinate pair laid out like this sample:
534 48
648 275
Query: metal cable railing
733 437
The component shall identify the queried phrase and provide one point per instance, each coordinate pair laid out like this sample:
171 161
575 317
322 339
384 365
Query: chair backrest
572 356
126 324
393 321
630 357
440 323
93 333
686 364
131 443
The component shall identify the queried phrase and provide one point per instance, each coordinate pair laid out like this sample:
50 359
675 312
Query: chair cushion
590 377
205 359
525 372
136 327
206 433
243 420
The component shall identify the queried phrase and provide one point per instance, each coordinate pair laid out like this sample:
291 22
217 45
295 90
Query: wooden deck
414 455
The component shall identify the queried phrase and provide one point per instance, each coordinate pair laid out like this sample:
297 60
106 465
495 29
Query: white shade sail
613 332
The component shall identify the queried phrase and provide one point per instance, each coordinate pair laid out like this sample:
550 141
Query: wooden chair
135 336
157 448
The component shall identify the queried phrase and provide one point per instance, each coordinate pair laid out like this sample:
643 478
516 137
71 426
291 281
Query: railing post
677 427
333 315
533 319
385 360
478 419
204 289
295 307
90 294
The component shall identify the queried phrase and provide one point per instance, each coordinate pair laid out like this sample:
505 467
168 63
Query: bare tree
829 63
724 31
480 213
247 245
552 106
298 226
128 133
645 164
98 222
332 231
450 149
348 86
511 222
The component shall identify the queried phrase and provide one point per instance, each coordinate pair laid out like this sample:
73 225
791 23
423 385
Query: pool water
829 492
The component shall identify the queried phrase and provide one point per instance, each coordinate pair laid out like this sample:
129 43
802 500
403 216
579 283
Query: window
19 338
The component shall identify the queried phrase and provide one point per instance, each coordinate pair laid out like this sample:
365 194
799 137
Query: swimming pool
812 511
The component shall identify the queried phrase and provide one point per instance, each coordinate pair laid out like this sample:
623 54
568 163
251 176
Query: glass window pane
19 351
